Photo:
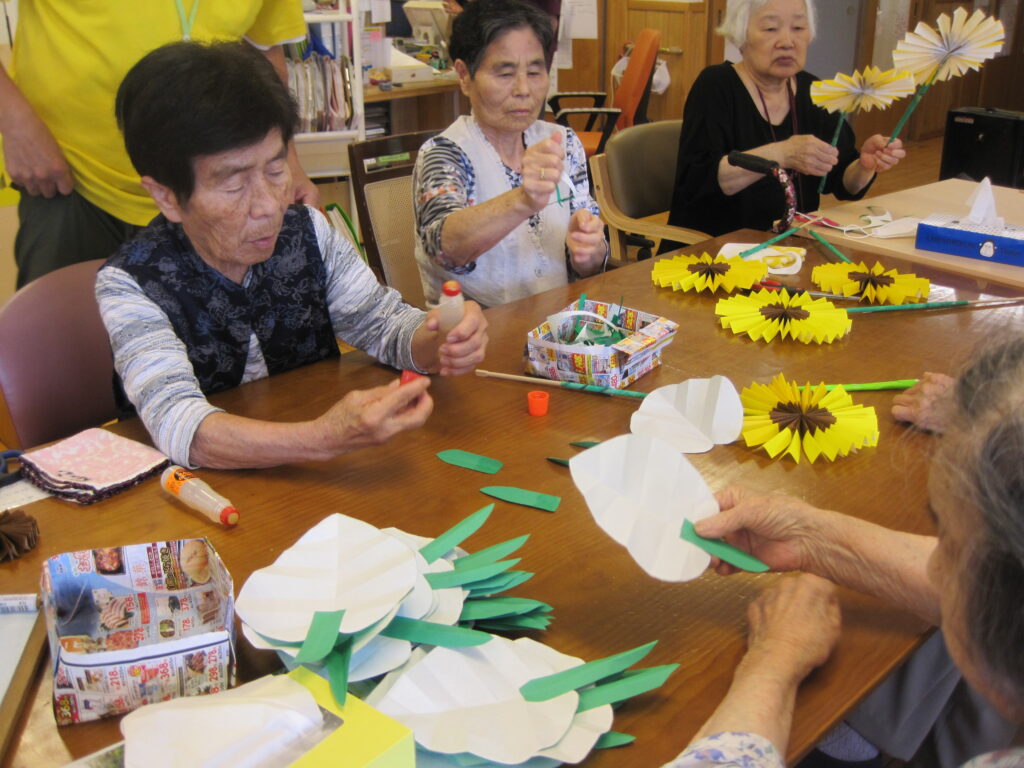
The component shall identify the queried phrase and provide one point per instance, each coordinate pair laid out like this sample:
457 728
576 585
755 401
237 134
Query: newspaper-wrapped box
137 624
617 365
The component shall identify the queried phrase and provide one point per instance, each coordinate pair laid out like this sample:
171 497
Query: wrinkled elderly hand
793 627
543 164
465 344
878 156
808 154
587 247
32 157
373 416
926 404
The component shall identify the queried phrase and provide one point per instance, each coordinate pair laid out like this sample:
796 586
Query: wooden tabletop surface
947 197
603 602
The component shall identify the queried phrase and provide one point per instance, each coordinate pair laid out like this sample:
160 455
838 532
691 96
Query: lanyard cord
793 175
186 24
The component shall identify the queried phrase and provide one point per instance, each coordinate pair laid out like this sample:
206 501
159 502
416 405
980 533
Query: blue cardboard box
949 234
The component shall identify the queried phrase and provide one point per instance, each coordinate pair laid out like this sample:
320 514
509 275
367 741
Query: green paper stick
918 95
594 389
490 554
524 497
458 578
611 739
723 551
455 535
870 386
467 460
550 686
832 248
585 443
337 663
766 243
556 460
633 683
429 633
498 584
500 606
835 140
321 637
995 303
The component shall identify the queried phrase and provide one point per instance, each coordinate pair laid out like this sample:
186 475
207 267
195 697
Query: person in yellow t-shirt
81 197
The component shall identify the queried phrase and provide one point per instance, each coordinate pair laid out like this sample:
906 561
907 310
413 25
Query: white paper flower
956 46
865 90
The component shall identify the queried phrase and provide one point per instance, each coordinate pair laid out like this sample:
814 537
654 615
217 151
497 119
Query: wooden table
603 601
948 197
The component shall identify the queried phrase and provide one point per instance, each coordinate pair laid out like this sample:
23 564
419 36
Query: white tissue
983 206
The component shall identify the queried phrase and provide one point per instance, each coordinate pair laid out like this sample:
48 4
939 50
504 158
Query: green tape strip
499 606
468 460
321 637
490 554
455 535
466 576
429 633
337 663
723 551
524 497
612 739
631 684
546 688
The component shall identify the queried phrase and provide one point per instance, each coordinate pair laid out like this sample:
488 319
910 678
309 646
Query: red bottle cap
229 516
451 288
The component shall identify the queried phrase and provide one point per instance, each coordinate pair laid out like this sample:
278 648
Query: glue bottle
450 308
201 497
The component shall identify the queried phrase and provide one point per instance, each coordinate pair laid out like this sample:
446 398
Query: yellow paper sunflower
959 44
877 284
767 314
865 90
704 273
787 420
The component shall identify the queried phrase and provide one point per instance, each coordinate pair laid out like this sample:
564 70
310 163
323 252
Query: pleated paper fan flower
787 420
877 284
865 90
959 44
704 273
767 314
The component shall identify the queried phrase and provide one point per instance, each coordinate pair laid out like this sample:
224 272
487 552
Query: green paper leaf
429 633
556 460
585 443
551 686
466 576
490 554
515 623
455 535
722 550
522 496
500 606
321 637
337 664
467 460
500 583
611 739
633 683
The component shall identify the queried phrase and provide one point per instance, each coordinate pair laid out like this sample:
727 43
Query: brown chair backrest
631 95
382 181
56 368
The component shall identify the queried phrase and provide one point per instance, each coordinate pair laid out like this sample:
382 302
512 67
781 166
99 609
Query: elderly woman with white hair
762 105
966 579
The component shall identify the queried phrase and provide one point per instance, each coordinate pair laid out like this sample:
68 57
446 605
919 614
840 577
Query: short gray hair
737 19
984 455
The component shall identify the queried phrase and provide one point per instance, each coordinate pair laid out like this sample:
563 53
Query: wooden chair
56 368
633 180
630 101
382 183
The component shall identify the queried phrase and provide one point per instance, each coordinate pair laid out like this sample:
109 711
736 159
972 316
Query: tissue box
137 624
948 234
615 366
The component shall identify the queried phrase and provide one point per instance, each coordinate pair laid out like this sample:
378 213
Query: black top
719 117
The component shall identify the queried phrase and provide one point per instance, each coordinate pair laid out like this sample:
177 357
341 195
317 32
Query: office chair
633 179
630 101
56 368
382 183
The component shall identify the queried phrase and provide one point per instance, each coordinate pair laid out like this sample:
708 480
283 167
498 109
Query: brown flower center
708 269
870 279
782 313
792 416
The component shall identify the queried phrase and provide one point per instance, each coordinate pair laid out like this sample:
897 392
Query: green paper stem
551 686
455 535
337 664
835 140
612 739
870 386
633 683
560 462
429 633
596 390
321 637
766 243
467 460
901 307
722 550
524 497
490 554
473 610
842 257
918 95
466 576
